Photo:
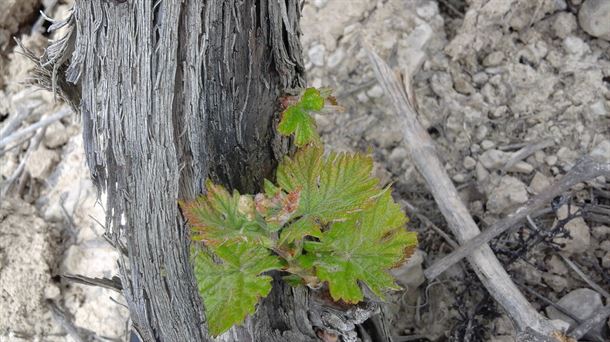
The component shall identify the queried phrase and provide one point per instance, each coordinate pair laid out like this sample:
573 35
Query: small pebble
575 46
375 92
580 235
564 24
316 55
469 163
556 282
556 265
487 144
494 159
481 172
594 18
335 58
509 193
481 132
522 167
475 148
550 160
601 232
398 154
459 178
428 10
319 3
539 183
606 260
493 59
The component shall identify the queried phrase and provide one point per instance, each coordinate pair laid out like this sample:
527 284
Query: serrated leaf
362 249
270 189
219 216
296 119
331 187
299 229
231 289
312 99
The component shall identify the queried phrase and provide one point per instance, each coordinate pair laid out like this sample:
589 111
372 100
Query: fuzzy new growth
326 221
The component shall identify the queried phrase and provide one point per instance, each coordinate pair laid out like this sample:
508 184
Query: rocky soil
491 77
50 216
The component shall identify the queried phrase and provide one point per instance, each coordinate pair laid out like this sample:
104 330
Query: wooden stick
598 317
19 135
525 152
8 184
584 277
587 168
423 154
113 283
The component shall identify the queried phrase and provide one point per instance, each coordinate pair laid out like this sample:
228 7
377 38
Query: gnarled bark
171 93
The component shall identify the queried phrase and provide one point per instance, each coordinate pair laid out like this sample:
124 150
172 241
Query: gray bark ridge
171 93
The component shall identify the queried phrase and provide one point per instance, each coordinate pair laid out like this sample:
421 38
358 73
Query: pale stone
556 265
507 194
556 282
316 55
522 167
493 59
594 18
469 163
580 236
494 159
41 162
539 183
581 303
564 24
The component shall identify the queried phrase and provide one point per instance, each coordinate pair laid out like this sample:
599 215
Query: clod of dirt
14 13
26 253
564 24
57 135
41 162
508 193
594 18
539 183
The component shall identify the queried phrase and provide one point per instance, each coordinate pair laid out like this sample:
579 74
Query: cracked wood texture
171 93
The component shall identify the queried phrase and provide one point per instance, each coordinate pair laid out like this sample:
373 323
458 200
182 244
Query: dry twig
113 284
587 168
598 317
22 135
422 151
584 277
525 152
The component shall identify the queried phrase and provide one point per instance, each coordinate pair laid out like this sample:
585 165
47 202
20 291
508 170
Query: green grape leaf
297 120
219 216
312 100
331 187
362 249
299 229
231 289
